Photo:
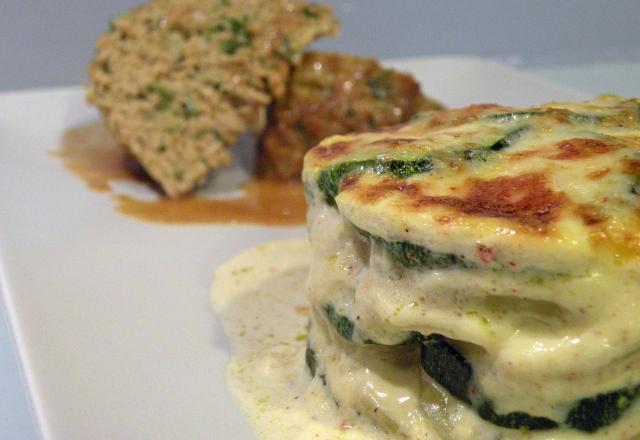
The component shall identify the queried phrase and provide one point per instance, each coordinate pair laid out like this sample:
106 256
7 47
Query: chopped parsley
635 186
230 46
216 28
310 11
165 96
178 174
380 84
216 134
286 51
215 85
189 109
240 34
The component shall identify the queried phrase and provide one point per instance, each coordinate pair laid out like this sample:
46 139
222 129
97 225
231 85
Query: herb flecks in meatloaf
332 94
178 80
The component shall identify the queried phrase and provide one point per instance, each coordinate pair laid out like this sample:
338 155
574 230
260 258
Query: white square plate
111 315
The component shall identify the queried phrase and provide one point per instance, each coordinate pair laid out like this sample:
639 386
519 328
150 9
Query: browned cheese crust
559 172
334 94
178 80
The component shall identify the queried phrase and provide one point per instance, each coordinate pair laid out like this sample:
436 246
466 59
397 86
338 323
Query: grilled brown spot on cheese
631 166
333 151
579 148
526 198
590 214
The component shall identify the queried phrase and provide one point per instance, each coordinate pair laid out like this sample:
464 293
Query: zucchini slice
446 366
330 178
310 360
343 325
412 255
514 420
346 328
449 368
578 118
593 413
483 153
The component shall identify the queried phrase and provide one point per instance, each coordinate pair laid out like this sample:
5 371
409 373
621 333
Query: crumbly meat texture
331 94
178 80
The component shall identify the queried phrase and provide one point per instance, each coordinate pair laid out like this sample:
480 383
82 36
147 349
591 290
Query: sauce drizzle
90 153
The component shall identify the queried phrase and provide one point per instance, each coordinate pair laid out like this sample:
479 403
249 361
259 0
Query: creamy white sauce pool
260 295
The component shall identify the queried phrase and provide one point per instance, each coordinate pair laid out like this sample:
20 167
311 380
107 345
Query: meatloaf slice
178 80
331 94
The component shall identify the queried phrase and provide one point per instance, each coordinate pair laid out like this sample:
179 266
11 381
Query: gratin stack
476 274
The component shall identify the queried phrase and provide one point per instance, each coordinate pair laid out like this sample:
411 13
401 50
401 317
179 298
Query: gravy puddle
90 153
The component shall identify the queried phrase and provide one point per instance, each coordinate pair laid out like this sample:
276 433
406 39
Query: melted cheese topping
542 187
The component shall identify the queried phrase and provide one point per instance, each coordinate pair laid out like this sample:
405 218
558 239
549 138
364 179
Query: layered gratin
475 273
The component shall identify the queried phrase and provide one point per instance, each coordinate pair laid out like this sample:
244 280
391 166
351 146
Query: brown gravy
90 153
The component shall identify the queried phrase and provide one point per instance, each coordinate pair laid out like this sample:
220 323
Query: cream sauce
260 296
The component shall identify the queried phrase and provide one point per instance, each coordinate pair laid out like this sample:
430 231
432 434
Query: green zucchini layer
346 328
483 153
311 360
330 178
444 364
343 325
412 255
578 118
449 368
593 413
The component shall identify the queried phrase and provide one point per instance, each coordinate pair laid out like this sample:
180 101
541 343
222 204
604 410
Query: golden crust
569 177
